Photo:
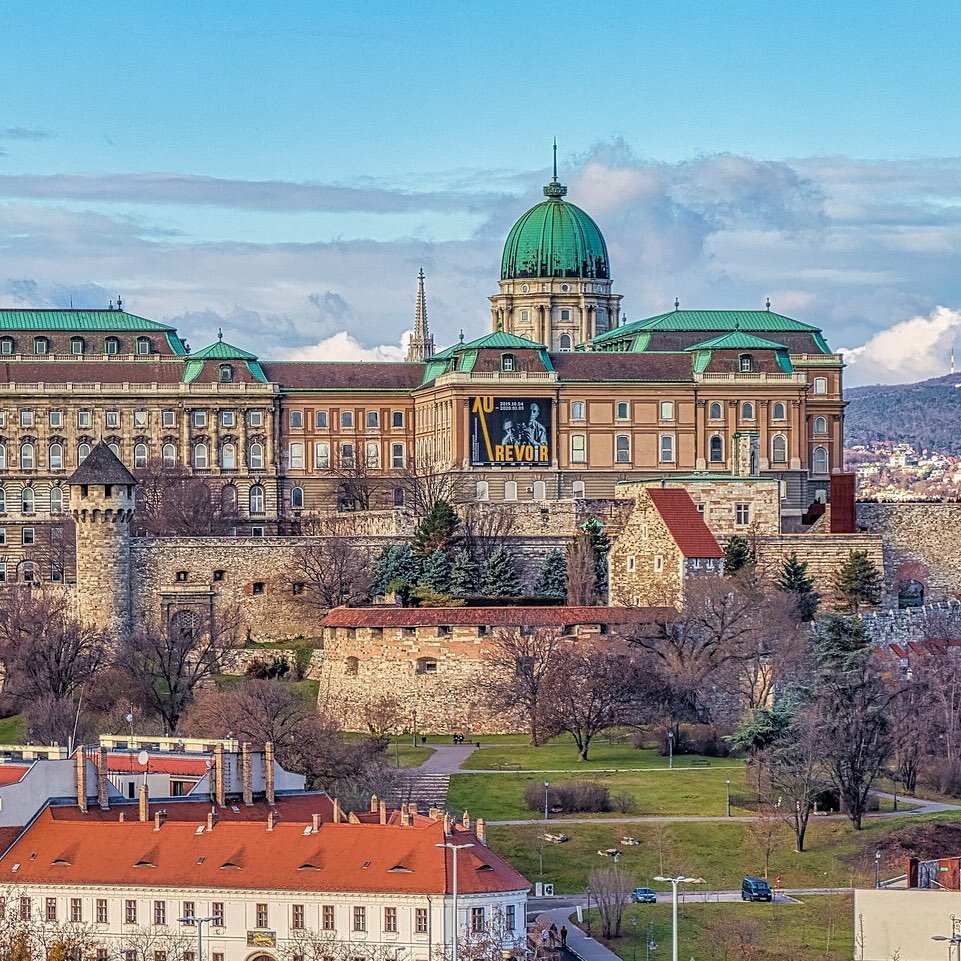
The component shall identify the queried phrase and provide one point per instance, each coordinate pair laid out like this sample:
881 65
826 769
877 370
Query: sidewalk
577 941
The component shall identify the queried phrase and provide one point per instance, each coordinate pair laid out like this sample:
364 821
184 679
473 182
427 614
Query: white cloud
342 346
911 350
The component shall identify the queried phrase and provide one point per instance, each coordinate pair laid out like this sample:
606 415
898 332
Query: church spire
421 344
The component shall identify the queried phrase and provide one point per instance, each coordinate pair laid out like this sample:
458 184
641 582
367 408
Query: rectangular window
510 917
297 916
103 954
188 910
26 909
26 418
742 514
390 920
578 448
420 920
217 956
130 956
101 910
296 458
83 418
130 911
160 956
398 456
397 418
228 418
327 917
360 919
372 455
623 410
346 419
3 572
160 912
622 449
297 419
667 410
321 420
255 418
199 418
29 537
476 920
346 455
658 563
3 536
373 418
630 563
76 910
261 916
50 909
3 418
666 450
140 418
56 418
113 419
321 456
217 913
169 418
577 410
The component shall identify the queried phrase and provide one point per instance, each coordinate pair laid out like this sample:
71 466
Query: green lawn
722 852
656 792
306 691
12 729
406 753
819 929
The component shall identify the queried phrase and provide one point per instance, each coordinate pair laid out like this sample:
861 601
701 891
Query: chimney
270 821
103 796
447 825
219 775
144 803
411 807
433 813
337 812
382 808
269 771
81 779
210 820
122 817
245 773
465 820
315 819
373 804
404 817
156 821
481 831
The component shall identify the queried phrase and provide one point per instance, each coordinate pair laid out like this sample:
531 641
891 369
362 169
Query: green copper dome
555 239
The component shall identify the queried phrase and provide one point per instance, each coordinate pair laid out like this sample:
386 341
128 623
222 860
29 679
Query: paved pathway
446 759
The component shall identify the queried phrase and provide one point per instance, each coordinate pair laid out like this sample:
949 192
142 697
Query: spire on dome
421 344
555 189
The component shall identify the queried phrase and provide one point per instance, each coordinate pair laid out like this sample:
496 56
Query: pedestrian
545 938
553 935
563 935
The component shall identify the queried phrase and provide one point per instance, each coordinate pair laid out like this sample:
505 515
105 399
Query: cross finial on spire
767 303
220 334
555 160
462 335
677 303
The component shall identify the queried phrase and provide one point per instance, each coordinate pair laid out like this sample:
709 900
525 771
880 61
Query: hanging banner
510 432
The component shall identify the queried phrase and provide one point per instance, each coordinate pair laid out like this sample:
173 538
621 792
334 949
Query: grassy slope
12 729
561 754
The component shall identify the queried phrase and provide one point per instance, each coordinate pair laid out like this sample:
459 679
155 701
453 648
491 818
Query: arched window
56 500
111 345
115 448
3 501
256 499
622 449
29 574
745 363
539 491
715 411
510 490
28 458
297 498
346 419
747 410
400 497
820 385
225 374
577 489
83 452
56 457
6 345
819 462
481 490
820 425
169 454
41 345
779 411
3 456
256 459
76 345
28 501
717 449
779 449
200 456
228 499
228 456
508 362
143 345
140 455
565 342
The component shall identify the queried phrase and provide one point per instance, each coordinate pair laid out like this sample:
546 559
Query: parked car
644 896
756 889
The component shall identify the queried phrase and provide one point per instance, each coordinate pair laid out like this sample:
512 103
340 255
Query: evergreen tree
464 574
552 579
857 583
737 555
600 545
436 573
794 577
397 569
840 643
437 529
384 569
500 576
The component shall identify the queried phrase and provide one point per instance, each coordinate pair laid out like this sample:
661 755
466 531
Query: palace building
560 400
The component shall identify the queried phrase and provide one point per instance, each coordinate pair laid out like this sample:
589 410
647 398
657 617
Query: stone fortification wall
933 621
823 553
396 522
919 539
239 661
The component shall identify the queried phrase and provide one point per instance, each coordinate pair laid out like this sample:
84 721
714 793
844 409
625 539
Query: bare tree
172 502
382 715
486 527
424 486
168 661
520 664
26 934
765 832
663 842
147 942
333 572
359 480
612 888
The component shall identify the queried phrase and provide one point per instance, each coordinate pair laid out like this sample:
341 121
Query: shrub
569 797
624 803
942 775
274 669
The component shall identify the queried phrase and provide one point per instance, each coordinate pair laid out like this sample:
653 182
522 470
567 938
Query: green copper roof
738 340
466 353
222 351
53 319
555 239
710 320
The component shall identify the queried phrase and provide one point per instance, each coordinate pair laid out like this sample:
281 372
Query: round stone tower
102 504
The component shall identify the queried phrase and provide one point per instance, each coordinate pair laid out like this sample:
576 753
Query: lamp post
588 910
455 848
413 735
670 749
200 922
728 797
634 938
651 943
877 868
955 939
546 786
674 882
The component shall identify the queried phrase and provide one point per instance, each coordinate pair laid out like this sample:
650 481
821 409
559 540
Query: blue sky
284 168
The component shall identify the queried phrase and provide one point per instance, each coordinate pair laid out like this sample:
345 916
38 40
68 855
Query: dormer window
143 345
76 345
41 345
111 345
6 345
746 363
565 342
508 362
225 374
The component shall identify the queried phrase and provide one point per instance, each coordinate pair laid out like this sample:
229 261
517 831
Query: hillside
925 415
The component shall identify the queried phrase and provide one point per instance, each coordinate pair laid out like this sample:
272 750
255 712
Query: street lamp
588 910
670 749
955 938
651 943
674 882
728 797
546 786
200 922
634 938
455 848
877 868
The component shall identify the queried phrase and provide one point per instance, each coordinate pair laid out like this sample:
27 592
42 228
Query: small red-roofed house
664 542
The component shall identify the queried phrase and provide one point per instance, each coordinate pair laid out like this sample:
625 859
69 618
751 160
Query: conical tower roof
101 466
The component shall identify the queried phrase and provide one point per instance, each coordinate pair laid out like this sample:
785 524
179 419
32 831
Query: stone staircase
426 790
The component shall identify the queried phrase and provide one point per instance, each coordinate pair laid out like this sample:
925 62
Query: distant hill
925 415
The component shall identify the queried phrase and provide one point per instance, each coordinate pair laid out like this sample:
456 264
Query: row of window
112 419
78 345
296 455
370 419
537 490
666 411
200 455
28 501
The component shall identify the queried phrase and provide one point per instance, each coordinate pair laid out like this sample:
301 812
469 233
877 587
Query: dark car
756 889
644 896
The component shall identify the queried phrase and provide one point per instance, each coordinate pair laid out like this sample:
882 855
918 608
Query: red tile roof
603 366
64 846
82 372
685 523
11 773
493 616
157 764
340 375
